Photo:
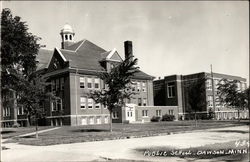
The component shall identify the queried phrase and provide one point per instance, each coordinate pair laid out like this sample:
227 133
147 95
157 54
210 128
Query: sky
169 37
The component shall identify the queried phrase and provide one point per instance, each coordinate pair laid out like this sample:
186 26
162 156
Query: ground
67 134
132 148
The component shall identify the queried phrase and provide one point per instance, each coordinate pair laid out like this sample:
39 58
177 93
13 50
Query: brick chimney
128 49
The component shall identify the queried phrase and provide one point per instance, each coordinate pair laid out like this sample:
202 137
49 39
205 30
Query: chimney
128 49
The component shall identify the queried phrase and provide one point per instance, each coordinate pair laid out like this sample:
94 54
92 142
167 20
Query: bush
126 122
168 117
155 119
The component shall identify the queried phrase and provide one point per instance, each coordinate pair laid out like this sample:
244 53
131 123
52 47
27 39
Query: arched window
70 37
66 37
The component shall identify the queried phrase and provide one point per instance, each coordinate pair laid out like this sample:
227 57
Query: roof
141 75
67 29
84 55
43 57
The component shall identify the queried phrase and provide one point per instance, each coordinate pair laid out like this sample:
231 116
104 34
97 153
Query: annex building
173 91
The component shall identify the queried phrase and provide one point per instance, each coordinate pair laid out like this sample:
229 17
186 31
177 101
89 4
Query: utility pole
212 77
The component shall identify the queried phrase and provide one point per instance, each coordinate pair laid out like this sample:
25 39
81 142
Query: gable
57 61
43 58
116 57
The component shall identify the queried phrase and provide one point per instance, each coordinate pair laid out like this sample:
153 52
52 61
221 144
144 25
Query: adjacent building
172 91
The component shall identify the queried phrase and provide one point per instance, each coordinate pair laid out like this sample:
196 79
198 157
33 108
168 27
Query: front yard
75 134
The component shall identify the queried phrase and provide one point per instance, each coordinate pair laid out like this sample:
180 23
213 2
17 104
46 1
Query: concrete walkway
121 149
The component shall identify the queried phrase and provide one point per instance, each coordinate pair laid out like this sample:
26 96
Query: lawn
74 134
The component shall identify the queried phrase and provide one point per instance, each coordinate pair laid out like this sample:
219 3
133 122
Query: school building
172 91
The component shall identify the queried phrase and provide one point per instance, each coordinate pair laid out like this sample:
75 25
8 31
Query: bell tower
67 35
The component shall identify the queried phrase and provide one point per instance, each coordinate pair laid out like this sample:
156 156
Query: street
122 149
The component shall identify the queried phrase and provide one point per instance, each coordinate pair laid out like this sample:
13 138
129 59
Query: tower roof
67 29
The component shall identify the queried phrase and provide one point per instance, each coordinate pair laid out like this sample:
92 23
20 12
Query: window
139 102
20 111
144 102
97 83
216 82
171 90
82 82
6 111
90 103
59 104
98 120
89 82
53 106
70 37
138 86
210 100
209 84
91 120
243 86
66 37
143 86
115 115
171 112
83 102
97 105
106 119
129 114
105 86
133 86
158 112
57 84
238 86
217 101
53 85
62 83
145 113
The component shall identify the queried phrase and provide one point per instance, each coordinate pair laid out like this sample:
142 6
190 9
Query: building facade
172 91
73 73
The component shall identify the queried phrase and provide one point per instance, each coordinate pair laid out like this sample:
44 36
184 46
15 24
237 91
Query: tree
32 96
18 55
231 95
196 96
118 81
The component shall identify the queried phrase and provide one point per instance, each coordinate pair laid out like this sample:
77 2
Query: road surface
121 149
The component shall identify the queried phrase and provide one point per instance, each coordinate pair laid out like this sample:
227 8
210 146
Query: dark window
139 102
66 37
171 90
96 85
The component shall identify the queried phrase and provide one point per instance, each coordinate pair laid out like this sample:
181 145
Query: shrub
168 117
155 119
126 122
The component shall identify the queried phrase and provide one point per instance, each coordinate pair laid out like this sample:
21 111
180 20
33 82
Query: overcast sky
168 37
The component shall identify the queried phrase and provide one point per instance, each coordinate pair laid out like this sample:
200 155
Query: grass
219 152
75 134
12 132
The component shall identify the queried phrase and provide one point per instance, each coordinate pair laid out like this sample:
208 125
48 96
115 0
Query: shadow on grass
31 136
90 130
6 132
231 131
